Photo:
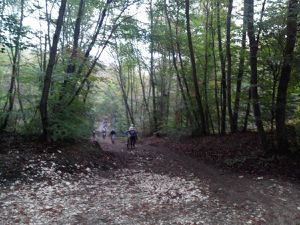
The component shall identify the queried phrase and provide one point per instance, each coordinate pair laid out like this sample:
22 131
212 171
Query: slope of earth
239 152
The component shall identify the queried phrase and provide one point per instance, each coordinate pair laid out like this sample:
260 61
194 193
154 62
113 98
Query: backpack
132 133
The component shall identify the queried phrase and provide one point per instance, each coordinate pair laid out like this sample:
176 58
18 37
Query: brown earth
211 180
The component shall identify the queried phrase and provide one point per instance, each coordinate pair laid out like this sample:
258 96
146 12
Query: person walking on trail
104 129
113 136
131 136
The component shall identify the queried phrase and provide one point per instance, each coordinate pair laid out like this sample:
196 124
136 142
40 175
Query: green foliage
72 122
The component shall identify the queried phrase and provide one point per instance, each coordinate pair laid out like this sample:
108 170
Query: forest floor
161 181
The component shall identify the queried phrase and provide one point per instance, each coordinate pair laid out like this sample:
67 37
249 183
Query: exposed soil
21 158
155 183
241 153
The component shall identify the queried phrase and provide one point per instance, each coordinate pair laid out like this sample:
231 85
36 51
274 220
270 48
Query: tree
48 75
152 72
229 63
291 33
240 74
223 71
253 43
203 127
15 49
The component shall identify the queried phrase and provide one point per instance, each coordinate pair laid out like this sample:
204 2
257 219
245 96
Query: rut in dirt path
154 185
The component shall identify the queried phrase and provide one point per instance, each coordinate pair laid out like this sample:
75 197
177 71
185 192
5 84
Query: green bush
72 122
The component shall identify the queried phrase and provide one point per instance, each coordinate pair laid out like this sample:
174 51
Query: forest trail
154 185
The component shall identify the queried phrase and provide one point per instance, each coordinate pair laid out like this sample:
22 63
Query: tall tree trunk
240 75
228 56
71 67
206 79
15 63
152 75
291 30
143 87
253 65
124 94
174 60
194 71
185 85
223 79
216 88
47 80
99 25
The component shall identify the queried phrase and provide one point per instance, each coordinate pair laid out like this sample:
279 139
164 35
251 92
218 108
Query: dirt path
153 186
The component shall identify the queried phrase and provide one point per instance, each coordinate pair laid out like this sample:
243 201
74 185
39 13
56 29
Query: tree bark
240 75
253 65
143 87
15 63
174 60
291 31
229 63
247 112
216 88
206 79
152 75
194 71
48 76
223 72
71 67
124 94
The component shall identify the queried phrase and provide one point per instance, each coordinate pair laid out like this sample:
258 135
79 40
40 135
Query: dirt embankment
239 152
23 158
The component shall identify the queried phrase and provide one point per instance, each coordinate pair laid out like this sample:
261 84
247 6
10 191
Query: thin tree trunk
88 84
185 83
223 79
152 75
18 91
95 36
275 72
14 74
71 67
179 82
194 71
240 75
291 30
47 80
216 92
125 96
228 56
206 79
143 87
247 112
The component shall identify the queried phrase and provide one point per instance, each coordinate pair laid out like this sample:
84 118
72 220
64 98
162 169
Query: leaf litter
138 193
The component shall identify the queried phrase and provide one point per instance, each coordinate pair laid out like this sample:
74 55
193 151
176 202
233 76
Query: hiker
113 136
103 132
131 136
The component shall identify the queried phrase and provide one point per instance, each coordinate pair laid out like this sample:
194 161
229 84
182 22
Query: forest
212 88
195 67
207 66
